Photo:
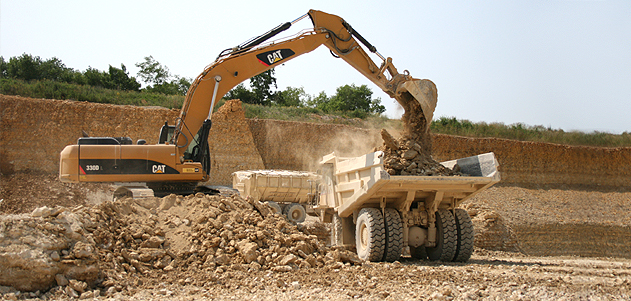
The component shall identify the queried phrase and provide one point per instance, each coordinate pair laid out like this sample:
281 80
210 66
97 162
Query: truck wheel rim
363 239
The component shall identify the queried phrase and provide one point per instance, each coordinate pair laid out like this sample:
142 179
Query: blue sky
559 63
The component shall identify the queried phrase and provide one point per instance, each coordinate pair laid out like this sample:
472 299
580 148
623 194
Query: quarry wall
34 131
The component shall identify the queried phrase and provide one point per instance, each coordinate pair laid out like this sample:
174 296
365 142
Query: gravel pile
109 247
405 156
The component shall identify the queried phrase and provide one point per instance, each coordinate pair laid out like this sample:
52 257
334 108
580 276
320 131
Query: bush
58 90
523 132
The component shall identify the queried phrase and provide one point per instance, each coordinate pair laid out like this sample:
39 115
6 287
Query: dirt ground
489 275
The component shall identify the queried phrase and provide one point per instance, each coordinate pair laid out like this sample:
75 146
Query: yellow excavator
181 158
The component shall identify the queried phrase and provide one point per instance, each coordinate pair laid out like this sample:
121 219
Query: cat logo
272 57
158 168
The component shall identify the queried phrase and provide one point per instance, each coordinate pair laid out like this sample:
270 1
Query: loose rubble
405 156
198 237
411 154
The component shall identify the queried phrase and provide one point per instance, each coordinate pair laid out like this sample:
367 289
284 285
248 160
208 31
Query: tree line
157 78
348 98
33 68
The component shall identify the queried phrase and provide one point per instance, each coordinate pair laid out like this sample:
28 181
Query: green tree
152 72
349 98
261 93
262 87
119 79
242 93
291 97
318 101
52 69
94 77
159 79
24 67
3 68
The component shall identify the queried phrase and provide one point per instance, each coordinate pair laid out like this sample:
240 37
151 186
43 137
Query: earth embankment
34 131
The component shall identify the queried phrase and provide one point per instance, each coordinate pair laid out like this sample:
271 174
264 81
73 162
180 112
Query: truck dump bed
278 186
363 182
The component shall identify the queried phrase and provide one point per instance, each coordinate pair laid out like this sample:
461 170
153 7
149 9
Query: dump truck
382 215
286 192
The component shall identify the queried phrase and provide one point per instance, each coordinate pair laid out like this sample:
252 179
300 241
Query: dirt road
489 275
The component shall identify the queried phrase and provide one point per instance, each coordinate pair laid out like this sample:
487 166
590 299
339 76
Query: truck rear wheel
464 225
394 235
370 234
295 213
446 237
274 206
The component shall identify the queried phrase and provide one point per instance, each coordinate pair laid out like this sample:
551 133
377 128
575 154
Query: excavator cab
166 132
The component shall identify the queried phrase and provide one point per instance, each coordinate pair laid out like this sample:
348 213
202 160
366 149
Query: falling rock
410 154
222 259
87 295
388 140
41 212
71 293
54 255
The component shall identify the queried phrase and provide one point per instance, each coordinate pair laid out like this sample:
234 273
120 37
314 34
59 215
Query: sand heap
492 231
411 154
108 247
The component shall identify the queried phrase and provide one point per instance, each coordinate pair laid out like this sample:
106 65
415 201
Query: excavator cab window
104 141
198 150
166 132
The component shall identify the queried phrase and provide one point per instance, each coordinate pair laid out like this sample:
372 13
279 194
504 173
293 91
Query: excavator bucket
424 91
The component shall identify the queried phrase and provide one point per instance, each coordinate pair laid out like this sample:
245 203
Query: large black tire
295 213
446 237
394 235
336 230
466 235
275 207
370 234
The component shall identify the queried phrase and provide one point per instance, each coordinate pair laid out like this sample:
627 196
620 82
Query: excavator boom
182 155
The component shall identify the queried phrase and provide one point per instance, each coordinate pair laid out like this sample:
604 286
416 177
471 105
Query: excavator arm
237 64
181 159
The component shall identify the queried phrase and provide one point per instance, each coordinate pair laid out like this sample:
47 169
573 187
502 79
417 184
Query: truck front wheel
370 234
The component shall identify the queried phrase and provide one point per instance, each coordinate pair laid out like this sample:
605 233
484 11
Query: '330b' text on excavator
181 159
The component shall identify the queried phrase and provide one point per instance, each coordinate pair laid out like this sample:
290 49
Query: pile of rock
492 231
405 156
35 248
195 238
